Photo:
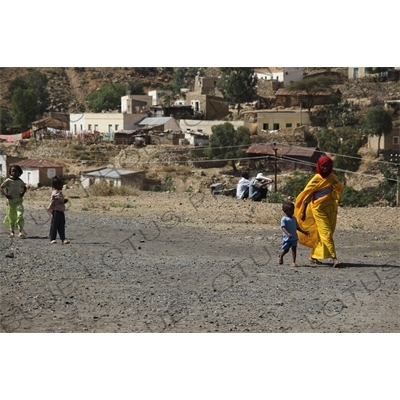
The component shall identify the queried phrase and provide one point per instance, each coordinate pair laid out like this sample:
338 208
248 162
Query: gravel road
170 262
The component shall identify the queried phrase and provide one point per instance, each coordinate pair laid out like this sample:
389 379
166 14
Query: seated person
242 190
258 187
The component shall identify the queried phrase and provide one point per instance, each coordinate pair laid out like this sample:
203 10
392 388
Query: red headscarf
321 161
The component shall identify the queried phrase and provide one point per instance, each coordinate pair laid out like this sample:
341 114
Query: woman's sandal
315 261
280 261
337 264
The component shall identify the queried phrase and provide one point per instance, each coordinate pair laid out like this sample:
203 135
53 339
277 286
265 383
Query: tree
328 140
178 80
107 98
135 87
35 80
350 143
38 82
237 85
19 82
5 119
228 143
311 86
377 122
24 105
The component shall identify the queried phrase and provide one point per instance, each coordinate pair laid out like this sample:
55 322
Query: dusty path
158 268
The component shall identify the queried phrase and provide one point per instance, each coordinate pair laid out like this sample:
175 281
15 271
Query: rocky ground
193 262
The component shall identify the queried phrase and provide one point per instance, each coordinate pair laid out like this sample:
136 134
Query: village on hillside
281 126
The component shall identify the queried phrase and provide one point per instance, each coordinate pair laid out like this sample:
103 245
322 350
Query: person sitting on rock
258 187
242 190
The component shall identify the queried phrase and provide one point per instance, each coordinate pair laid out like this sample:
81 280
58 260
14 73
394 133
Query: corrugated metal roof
155 121
109 173
282 150
32 163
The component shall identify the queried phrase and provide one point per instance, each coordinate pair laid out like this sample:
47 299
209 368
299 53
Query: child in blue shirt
289 227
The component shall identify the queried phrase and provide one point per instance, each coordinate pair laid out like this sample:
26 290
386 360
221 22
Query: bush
275 197
168 185
104 189
353 198
295 183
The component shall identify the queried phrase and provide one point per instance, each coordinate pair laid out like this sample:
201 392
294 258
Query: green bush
354 198
275 197
168 185
295 183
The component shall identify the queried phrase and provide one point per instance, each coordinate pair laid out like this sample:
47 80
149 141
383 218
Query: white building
197 139
155 95
103 122
113 177
285 75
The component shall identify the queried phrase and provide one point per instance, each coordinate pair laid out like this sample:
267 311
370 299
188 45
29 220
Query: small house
6 161
114 177
288 158
39 172
197 138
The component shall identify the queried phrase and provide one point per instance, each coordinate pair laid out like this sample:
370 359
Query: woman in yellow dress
316 210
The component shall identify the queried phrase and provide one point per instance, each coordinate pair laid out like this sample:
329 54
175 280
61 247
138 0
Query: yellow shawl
309 224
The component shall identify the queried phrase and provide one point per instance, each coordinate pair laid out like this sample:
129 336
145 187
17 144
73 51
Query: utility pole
275 165
395 158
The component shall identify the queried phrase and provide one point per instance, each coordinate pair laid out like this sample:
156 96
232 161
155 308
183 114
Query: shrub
104 189
295 183
168 185
275 197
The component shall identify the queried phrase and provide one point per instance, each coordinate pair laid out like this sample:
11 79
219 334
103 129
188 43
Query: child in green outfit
14 188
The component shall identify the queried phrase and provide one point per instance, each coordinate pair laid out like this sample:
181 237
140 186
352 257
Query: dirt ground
193 262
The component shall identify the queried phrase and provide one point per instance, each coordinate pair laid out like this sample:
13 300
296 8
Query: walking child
57 210
289 227
14 188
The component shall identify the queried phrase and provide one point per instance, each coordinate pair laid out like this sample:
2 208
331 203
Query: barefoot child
57 209
14 188
289 227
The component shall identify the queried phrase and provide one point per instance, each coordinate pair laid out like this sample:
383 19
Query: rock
9 254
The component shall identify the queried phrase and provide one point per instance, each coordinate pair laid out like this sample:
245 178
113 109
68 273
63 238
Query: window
298 124
81 127
109 128
116 127
395 140
276 127
288 125
265 127
96 127
89 127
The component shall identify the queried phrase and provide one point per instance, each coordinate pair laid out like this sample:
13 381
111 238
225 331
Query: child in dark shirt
57 209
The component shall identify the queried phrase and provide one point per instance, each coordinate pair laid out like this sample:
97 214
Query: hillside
68 87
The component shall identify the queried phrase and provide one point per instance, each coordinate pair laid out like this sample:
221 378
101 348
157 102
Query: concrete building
39 172
103 122
284 75
356 72
133 104
114 177
160 124
271 120
387 143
